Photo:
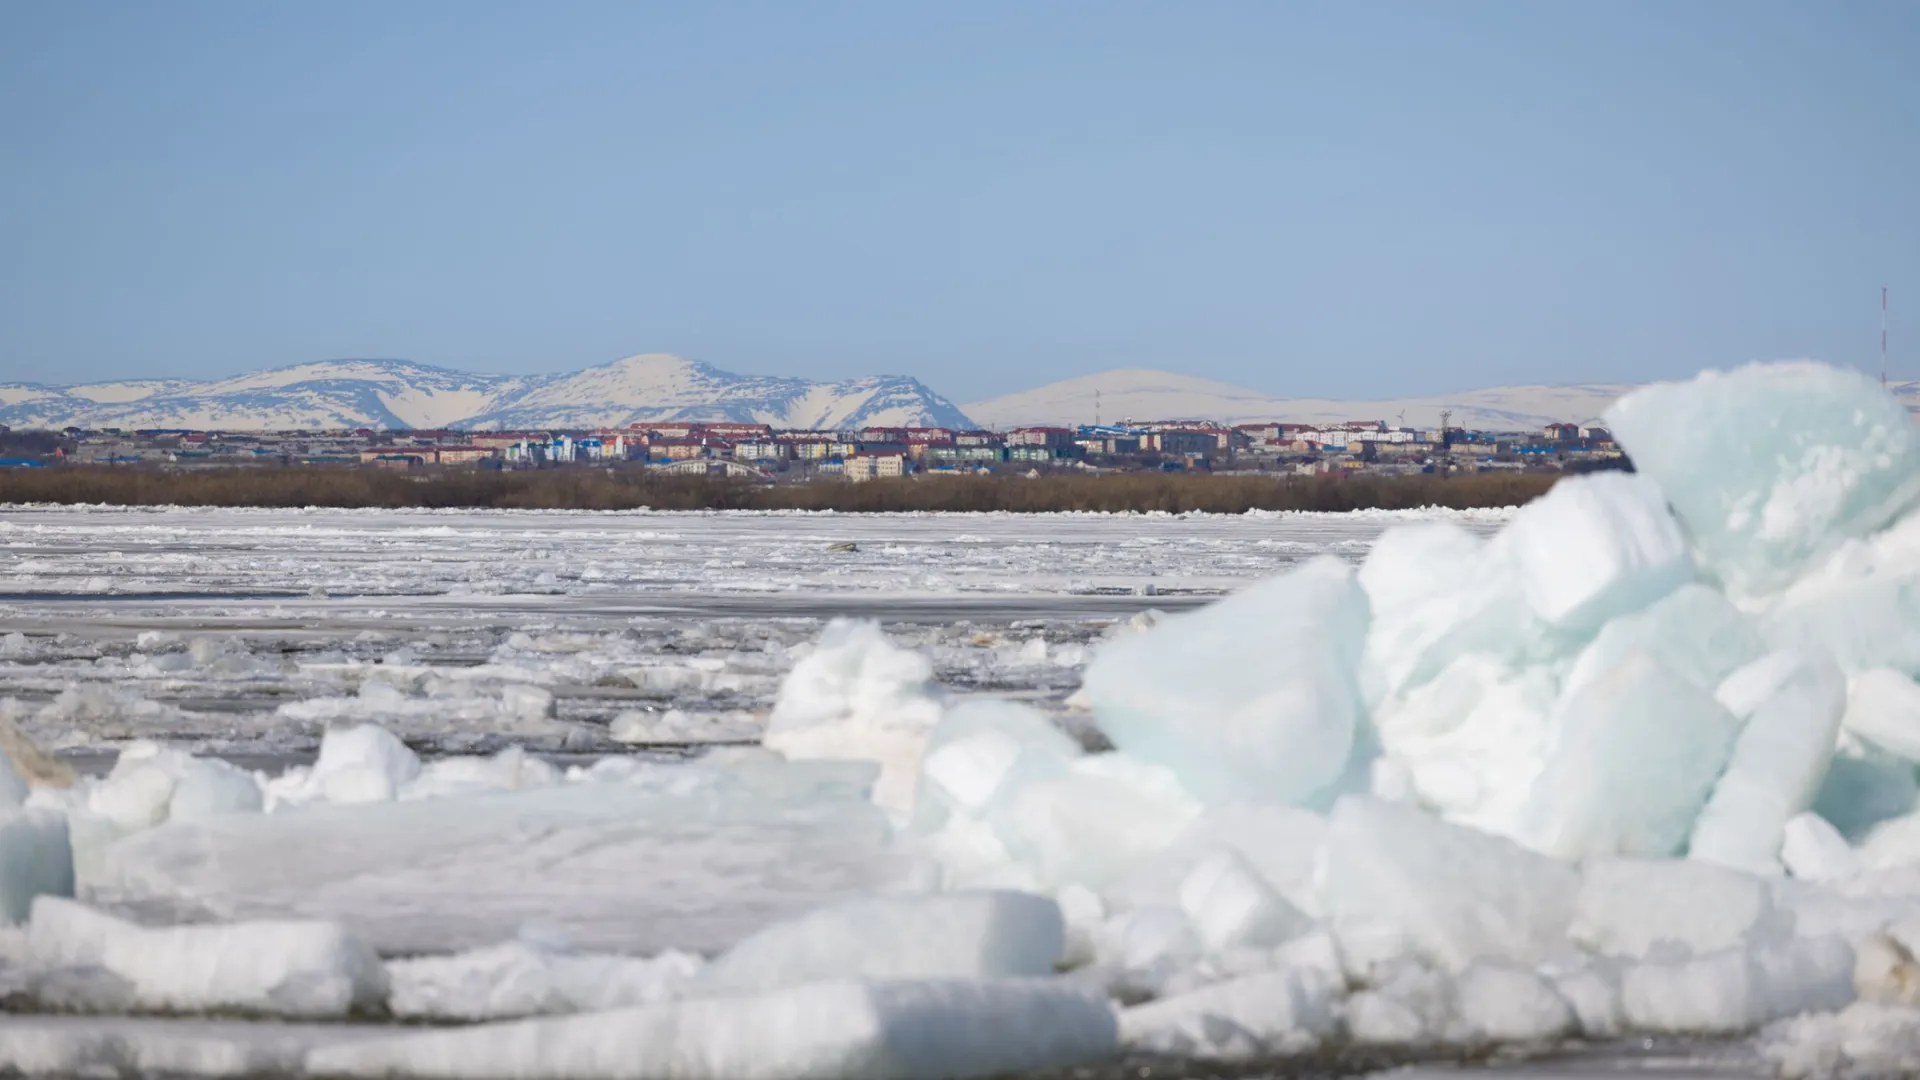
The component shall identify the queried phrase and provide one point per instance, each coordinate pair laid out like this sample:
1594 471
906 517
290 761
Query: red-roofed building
1053 438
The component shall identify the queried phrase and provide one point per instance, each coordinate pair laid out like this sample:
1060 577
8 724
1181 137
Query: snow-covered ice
299 969
524 978
838 1030
975 935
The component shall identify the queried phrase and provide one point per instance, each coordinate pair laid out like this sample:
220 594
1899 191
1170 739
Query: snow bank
842 1030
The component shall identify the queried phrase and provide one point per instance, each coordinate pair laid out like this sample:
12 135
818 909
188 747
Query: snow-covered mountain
326 394
397 394
658 386
1159 395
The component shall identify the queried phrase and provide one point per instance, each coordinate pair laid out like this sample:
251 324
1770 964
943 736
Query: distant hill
398 394
1159 395
660 387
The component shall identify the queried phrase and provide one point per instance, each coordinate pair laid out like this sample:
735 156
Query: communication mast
1883 335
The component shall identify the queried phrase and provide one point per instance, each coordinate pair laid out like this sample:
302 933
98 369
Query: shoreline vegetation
632 489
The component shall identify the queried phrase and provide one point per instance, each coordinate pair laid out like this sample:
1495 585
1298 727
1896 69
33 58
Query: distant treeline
629 489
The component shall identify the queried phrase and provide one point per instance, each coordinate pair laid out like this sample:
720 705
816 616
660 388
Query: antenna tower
1883 335
1096 407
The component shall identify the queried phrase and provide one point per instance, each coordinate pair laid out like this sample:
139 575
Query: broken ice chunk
1693 630
1437 593
1814 850
1864 787
1272 1013
846 1030
1233 907
985 934
982 749
857 696
1596 547
205 787
302 969
1253 697
1628 907
13 786
1778 761
1883 707
362 764
1281 844
1398 880
36 860
1772 465
1472 741
1496 1003
1095 822
1739 988
1640 748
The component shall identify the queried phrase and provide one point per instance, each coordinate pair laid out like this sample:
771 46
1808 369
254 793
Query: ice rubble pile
1645 761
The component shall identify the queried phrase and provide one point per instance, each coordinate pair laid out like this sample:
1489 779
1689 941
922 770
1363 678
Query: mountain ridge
400 394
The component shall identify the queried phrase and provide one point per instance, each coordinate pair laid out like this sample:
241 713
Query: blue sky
1342 198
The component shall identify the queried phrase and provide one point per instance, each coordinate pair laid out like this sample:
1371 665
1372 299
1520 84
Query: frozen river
668 557
246 631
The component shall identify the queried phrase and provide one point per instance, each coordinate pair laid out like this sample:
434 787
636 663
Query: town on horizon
763 453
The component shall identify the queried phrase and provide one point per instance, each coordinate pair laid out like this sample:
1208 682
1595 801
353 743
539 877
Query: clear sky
1342 198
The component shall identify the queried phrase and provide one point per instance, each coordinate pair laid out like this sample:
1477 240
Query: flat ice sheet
611 867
